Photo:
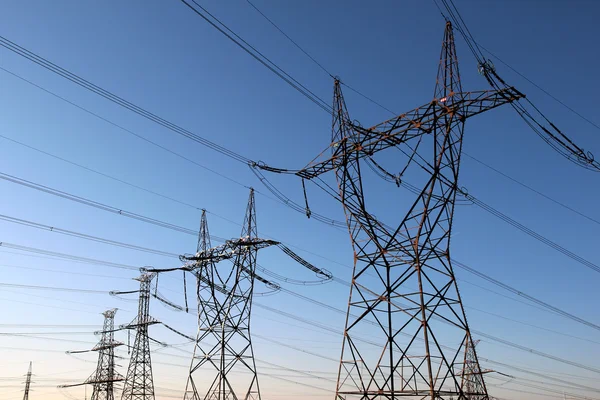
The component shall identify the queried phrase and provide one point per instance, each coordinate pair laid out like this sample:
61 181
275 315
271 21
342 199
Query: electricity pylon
223 354
208 310
27 383
139 384
473 383
404 294
105 376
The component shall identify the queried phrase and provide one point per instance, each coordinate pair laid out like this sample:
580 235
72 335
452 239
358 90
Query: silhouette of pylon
27 383
223 353
403 290
139 384
473 382
105 376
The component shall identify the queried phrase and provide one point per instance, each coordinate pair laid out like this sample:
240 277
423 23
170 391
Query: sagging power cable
43 62
545 129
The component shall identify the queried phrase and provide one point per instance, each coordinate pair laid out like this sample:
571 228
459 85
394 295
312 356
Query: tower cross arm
226 251
91 381
410 125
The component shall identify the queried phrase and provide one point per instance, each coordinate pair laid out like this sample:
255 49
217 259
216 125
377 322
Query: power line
532 233
393 113
521 184
279 198
52 288
531 189
553 136
311 374
129 131
61 271
533 326
6 43
539 302
478 53
491 337
559 392
339 333
101 173
258 56
323 304
156 222
413 189
534 351
85 236
69 257
328 221
41 61
571 384
87 311
48 326
99 205
192 232
137 248
482 334
307 373
451 8
336 360
518 225
291 40
542 89
524 295
313 59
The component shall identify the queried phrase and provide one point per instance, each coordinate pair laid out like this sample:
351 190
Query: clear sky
164 58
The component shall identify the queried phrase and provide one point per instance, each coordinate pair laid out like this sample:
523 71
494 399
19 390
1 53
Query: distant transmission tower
138 383
224 346
403 293
27 383
208 305
105 376
473 384
223 349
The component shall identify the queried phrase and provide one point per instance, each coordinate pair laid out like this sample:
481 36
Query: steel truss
104 378
223 353
403 282
139 383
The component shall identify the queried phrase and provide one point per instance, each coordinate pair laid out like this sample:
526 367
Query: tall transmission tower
104 378
27 383
139 384
223 353
403 293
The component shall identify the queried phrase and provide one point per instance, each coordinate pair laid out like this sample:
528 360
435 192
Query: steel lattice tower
139 384
208 310
104 378
404 294
224 346
27 383
473 383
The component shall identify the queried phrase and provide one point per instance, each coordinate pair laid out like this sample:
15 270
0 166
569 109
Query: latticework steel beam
27 383
403 282
105 376
223 354
139 383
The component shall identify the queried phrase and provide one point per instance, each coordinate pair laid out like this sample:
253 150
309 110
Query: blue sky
164 58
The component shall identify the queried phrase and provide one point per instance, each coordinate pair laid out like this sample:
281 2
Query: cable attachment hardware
308 212
486 66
